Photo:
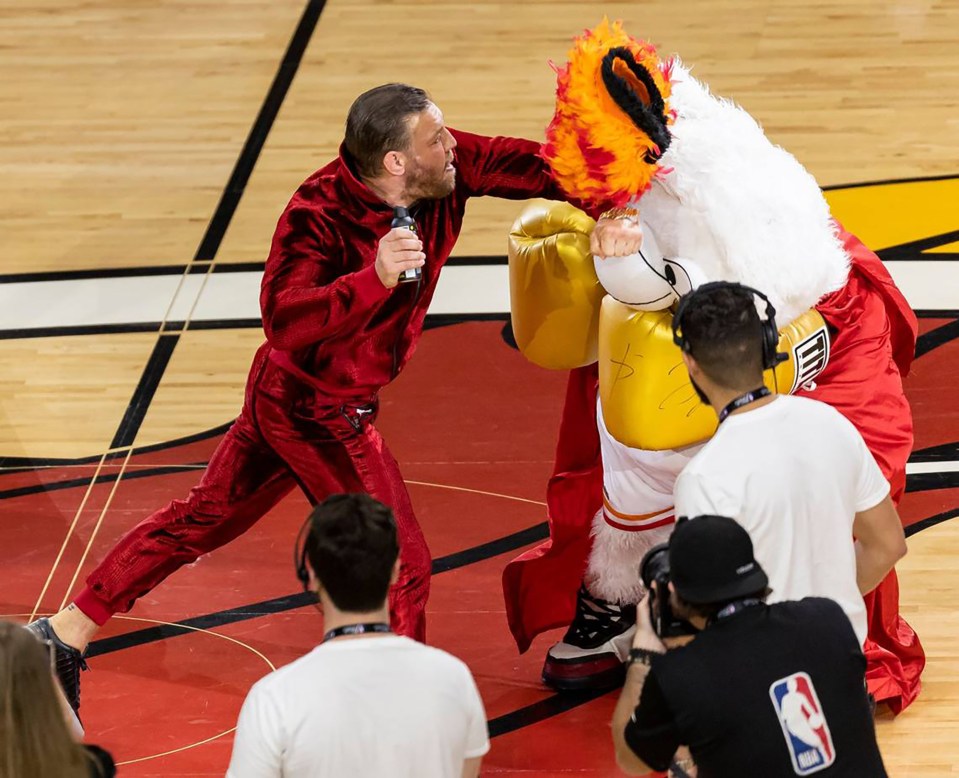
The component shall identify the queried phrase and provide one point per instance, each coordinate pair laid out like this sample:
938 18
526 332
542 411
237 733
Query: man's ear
691 367
314 584
395 575
394 163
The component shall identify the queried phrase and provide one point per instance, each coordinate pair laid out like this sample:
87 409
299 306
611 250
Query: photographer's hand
648 641
646 637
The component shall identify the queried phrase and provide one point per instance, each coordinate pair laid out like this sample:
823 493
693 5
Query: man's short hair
724 335
352 547
378 123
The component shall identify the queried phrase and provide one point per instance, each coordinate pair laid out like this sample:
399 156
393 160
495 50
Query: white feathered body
740 207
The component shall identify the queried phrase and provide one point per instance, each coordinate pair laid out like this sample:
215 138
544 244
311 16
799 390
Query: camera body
654 571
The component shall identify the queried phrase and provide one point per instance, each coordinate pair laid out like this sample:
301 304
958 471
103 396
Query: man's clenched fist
398 250
615 238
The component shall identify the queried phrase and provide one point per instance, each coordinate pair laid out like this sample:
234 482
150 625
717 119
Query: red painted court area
473 426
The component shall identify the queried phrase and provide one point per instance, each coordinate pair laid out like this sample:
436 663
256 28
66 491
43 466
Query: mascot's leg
637 514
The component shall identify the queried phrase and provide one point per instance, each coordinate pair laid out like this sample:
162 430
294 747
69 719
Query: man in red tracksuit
339 328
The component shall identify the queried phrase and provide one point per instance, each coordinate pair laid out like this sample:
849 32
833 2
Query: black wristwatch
641 655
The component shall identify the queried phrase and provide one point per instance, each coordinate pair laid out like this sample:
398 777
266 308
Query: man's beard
699 392
423 185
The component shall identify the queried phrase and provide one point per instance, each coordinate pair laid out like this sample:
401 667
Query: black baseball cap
711 560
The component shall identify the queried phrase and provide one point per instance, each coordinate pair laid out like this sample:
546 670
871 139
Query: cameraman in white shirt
792 471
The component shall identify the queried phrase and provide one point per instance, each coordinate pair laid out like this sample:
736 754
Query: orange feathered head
612 111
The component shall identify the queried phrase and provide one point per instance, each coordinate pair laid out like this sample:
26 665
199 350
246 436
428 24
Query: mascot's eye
670 275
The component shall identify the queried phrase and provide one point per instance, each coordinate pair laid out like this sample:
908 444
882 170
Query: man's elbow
899 550
895 547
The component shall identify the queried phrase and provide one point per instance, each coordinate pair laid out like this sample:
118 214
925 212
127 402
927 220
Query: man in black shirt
764 690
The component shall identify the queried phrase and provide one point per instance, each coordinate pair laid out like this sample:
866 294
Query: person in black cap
770 690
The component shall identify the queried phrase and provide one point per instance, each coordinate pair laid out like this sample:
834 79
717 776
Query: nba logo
804 726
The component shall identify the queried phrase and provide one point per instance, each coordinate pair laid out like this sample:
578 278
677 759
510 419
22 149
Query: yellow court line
96 528
176 293
178 750
63 546
199 294
199 629
240 643
128 449
476 491
208 632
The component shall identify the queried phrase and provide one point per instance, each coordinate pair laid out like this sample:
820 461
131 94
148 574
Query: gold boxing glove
554 292
647 399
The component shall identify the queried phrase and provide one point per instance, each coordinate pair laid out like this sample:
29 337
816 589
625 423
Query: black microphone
402 218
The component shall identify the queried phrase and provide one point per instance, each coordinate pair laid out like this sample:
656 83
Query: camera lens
654 565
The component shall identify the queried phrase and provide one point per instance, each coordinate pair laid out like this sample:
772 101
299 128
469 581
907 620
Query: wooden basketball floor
147 150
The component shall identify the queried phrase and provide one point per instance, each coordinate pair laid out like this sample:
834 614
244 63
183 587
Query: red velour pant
287 434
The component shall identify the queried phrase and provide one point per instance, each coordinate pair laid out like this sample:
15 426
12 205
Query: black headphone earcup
770 344
770 334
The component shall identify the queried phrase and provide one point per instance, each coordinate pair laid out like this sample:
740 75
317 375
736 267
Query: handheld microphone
402 218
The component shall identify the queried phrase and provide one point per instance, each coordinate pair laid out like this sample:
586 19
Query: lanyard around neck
742 400
356 629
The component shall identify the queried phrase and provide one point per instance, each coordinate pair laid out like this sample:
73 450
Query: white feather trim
612 571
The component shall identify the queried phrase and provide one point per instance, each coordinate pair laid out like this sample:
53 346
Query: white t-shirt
793 473
377 706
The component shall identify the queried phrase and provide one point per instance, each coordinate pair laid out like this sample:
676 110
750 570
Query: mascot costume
716 201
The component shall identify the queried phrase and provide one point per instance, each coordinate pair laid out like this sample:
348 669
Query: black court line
944 452
240 176
93 273
288 602
220 221
888 181
29 463
241 172
79 329
928 482
229 267
936 338
469 556
542 710
143 395
914 250
103 478
916 482
433 320
932 521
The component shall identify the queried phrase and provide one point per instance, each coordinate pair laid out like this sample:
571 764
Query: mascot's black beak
634 90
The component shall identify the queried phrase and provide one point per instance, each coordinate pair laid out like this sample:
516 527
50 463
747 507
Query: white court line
916 468
462 289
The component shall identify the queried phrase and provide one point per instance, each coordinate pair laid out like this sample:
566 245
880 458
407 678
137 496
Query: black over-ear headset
768 330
